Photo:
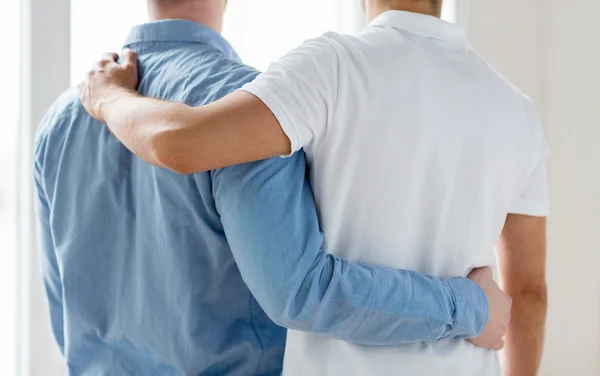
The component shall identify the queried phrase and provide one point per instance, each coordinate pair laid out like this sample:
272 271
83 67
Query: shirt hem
533 209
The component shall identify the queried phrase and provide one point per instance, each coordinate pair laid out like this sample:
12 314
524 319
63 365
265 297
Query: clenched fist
107 80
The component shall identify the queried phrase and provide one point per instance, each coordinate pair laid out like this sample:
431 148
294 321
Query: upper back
421 161
149 282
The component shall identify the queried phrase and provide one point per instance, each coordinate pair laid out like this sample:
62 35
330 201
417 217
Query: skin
521 254
240 128
206 12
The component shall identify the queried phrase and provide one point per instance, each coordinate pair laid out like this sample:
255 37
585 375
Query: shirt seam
214 46
255 330
528 207
466 46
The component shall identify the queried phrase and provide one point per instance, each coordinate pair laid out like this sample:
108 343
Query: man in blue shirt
148 272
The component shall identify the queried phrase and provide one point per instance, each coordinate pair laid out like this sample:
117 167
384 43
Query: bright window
250 26
9 97
262 31
98 27
450 11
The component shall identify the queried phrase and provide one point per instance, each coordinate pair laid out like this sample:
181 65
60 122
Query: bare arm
522 262
236 129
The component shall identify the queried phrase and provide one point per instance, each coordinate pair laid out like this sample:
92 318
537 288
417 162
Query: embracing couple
192 210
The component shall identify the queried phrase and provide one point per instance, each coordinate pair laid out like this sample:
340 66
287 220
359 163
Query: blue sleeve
48 261
269 216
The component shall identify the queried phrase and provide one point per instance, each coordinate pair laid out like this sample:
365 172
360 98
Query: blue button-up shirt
148 272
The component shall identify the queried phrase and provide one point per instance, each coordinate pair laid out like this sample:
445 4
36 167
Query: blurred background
549 48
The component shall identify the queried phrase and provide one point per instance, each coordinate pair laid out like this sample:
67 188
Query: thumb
129 57
485 272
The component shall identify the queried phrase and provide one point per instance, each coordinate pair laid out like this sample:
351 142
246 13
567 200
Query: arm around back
269 217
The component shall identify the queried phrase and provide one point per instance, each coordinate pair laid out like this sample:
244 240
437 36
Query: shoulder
517 107
508 100
330 44
337 41
316 57
195 75
54 125
329 53
501 85
231 75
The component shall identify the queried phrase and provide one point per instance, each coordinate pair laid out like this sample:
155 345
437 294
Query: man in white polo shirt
418 149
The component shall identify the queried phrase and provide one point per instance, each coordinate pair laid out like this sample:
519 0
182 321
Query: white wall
572 115
551 50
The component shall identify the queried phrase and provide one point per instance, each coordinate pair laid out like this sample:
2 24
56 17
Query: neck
375 8
207 13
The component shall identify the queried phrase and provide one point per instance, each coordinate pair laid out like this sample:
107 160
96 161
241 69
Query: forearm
376 306
525 337
189 139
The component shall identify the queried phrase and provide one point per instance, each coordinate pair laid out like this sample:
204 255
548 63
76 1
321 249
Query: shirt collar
179 31
425 25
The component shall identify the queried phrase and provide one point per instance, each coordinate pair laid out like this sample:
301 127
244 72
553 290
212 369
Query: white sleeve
532 196
300 90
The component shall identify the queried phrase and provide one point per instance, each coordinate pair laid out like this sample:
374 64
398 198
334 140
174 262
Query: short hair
165 3
434 3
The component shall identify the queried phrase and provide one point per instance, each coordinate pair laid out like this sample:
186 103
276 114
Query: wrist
471 309
104 105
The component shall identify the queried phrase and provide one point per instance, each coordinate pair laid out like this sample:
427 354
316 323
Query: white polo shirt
418 150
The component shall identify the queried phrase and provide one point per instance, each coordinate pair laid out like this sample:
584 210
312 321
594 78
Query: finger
504 330
110 56
483 272
486 272
99 65
129 57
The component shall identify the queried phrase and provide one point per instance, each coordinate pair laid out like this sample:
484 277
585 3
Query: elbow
281 319
280 312
305 306
535 292
169 150
290 306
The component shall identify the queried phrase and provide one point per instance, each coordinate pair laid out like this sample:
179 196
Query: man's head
375 7
207 12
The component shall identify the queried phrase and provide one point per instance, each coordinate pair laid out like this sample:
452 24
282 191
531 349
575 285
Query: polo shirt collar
425 25
179 31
